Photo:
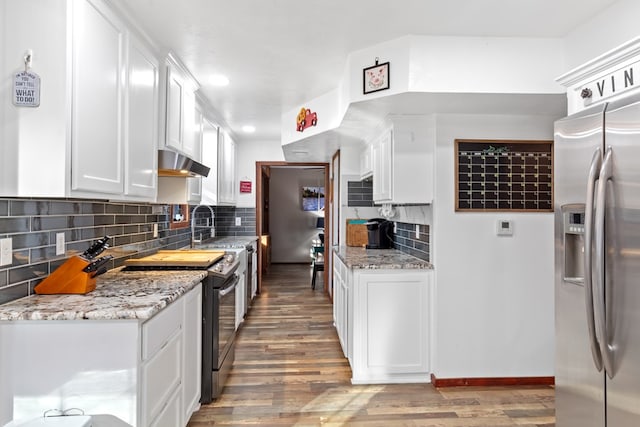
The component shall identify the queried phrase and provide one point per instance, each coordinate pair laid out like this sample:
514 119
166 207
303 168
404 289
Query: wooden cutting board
357 234
186 258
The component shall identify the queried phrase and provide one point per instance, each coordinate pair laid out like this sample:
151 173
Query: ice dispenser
573 224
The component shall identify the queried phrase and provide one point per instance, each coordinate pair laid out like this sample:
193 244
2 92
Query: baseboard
490 382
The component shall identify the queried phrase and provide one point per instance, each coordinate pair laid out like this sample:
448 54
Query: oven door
224 314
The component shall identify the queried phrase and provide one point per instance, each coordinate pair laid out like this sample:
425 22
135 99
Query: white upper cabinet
402 159
141 140
95 131
175 94
195 183
210 159
366 162
181 117
226 169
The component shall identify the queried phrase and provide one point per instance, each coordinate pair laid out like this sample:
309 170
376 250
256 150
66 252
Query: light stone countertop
118 295
379 259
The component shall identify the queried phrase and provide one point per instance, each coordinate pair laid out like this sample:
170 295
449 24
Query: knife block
68 279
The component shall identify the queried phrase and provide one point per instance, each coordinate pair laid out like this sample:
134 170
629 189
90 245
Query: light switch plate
6 249
238 221
155 230
60 249
417 231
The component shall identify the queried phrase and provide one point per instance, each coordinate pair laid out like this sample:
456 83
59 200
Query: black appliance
249 277
218 325
218 319
380 233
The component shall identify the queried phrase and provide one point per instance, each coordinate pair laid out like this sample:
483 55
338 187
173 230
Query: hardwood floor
290 371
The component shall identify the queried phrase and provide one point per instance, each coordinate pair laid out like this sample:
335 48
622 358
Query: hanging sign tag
26 89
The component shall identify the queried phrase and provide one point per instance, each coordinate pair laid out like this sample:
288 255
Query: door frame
260 206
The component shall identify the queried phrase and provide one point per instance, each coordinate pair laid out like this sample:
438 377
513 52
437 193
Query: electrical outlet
417 231
60 249
155 230
238 221
395 227
6 249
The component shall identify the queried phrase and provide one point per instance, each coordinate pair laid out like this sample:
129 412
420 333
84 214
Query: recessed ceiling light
248 129
219 80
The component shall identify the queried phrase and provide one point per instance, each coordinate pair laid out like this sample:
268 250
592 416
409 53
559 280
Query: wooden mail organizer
504 175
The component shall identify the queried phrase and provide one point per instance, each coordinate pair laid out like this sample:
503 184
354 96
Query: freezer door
622 263
579 384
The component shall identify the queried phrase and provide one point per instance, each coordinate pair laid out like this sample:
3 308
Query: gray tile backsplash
360 193
33 224
405 240
226 220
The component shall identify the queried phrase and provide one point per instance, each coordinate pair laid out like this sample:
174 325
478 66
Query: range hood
171 163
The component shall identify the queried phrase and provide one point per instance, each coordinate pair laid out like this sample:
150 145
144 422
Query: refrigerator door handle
606 172
594 169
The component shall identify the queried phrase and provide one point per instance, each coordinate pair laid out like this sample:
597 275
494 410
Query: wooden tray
180 258
357 234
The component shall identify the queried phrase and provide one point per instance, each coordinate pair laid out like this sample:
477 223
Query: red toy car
305 119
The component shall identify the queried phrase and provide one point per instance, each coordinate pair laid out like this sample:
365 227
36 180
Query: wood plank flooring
290 371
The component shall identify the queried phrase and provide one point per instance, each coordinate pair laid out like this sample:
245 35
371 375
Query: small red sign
245 186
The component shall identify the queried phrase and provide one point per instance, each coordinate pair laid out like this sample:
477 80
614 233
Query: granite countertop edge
119 295
379 259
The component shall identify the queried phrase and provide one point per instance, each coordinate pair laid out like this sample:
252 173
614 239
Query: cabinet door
97 129
194 136
210 159
142 123
192 128
161 377
392 332
175 93
383 168
366 162
192 353
226 177
169 416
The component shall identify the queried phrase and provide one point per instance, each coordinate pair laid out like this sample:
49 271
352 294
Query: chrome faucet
193 225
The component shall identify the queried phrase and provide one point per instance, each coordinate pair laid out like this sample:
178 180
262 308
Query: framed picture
312 198
375 78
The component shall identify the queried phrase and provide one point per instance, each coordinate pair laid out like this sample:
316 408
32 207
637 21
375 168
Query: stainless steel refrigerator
597 239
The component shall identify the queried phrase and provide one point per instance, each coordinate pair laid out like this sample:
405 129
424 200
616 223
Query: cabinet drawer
161 376
169 416
157 330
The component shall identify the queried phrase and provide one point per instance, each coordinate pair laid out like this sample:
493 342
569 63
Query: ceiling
279 54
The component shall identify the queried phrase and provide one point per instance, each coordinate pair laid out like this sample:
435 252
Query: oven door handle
230 288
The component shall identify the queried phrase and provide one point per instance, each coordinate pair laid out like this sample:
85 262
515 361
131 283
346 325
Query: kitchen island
382 311
131 348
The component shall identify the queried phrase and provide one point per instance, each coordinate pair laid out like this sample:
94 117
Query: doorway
271 193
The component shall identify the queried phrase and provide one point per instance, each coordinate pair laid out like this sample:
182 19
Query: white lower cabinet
192 359
145 374
382 320
170 415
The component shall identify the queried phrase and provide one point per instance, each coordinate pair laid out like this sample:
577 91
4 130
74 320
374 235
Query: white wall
291 228
605 31
247 154
494 311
